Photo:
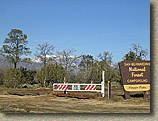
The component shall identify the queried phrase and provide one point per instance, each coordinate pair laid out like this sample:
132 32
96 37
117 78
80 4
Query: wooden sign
135 75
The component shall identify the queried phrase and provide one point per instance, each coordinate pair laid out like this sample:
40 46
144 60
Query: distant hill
4 64
35 63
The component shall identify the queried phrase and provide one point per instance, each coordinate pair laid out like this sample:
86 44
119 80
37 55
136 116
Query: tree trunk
15 64
44 62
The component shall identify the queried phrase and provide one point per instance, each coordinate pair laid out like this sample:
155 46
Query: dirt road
53 104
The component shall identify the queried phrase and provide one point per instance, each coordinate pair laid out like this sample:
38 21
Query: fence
80 87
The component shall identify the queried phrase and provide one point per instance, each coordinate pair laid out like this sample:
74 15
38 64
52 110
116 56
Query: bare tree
67 59
136 53
139 51
106 57
44 50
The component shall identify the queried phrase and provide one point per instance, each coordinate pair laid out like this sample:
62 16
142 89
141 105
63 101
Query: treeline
64 66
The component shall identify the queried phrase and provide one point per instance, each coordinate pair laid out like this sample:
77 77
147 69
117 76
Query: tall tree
87 61
67 59
136 53
106 57
15 46
86 65
51 72
44 49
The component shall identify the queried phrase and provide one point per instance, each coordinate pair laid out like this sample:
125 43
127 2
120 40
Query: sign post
135 76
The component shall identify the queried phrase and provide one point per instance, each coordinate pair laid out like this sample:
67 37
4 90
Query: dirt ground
43 101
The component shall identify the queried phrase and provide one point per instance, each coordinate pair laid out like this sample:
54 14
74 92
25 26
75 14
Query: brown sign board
135 75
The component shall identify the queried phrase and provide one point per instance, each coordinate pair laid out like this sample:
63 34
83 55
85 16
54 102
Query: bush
30 86
51 72
13 78
1 76
28 75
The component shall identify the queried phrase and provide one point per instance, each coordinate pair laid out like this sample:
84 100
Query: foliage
15 46
130 56
31 86
106 57
136 53
97 71
65 57
51 71
68 61
13 78
87 61
28 75
86 66
91 70
1 76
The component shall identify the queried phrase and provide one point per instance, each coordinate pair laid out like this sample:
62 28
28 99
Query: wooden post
64 79
146 95
127 94
53 88
44 87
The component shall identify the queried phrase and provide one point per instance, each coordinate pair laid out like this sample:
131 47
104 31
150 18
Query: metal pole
109 89
102 84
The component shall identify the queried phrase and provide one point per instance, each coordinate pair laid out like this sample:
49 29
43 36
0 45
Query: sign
75 87
90 87
135 75
62 87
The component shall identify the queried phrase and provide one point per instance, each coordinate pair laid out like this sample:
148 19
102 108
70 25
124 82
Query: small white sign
75 87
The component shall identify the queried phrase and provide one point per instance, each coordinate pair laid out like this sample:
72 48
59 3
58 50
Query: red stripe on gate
60 87
85 86
63 87
88 87
66 88
91 87
94 88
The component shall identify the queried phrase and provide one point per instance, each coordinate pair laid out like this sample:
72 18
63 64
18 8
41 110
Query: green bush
31 86
13 78
28 75
51 72
1 76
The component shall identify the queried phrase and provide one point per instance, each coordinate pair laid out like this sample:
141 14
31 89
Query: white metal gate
80 87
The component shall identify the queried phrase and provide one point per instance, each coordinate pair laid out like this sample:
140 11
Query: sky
88 26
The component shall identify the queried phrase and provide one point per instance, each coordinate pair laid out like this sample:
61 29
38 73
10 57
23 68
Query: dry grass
52 104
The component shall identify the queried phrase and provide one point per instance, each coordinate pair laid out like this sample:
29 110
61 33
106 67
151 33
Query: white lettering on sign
75 87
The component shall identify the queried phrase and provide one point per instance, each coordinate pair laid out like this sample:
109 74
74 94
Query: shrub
1 76
51 72
13 78
28 75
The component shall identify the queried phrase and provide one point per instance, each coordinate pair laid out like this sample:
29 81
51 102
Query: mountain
35 62
4 64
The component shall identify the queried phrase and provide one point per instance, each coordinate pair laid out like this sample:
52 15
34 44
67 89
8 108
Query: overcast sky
89 26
